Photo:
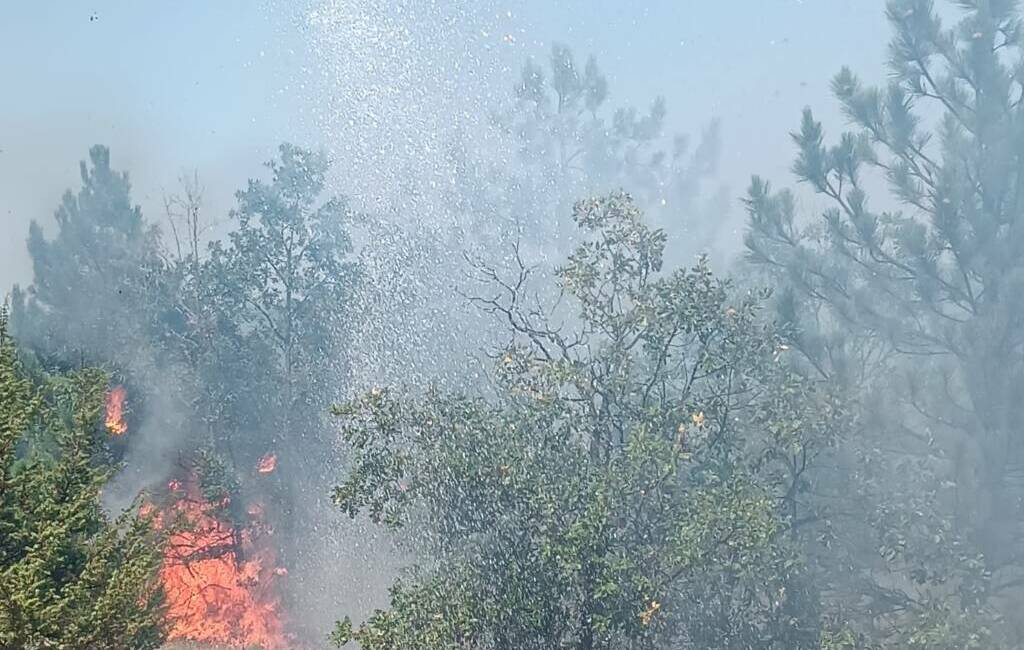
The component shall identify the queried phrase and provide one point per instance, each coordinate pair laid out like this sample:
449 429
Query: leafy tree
917 309
69 576
556 136
265 329
284 281
511 181
629 480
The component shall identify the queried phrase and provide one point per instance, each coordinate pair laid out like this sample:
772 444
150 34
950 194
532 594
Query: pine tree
913 300
97 285
70 577
571 143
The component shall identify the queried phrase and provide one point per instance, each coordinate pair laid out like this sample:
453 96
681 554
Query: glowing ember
220 582
115 411
267 463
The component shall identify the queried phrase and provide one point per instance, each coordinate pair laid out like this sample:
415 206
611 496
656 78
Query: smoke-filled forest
500 350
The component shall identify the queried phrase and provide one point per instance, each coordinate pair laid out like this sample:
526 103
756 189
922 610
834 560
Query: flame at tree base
221 583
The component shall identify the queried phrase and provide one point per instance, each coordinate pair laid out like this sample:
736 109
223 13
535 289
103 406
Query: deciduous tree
630 479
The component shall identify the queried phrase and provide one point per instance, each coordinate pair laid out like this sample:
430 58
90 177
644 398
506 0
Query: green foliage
101 267
229 348
917 310
245 336
264 318
69 576
571 143
632 480
281 291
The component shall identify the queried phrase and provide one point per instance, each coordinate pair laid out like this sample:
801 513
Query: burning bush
220 578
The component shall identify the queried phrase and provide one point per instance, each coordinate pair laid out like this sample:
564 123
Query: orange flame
267 463
115 411
221 583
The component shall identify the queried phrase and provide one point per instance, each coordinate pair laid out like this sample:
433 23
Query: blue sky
216 85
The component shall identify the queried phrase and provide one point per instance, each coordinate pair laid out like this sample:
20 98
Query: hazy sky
215 86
